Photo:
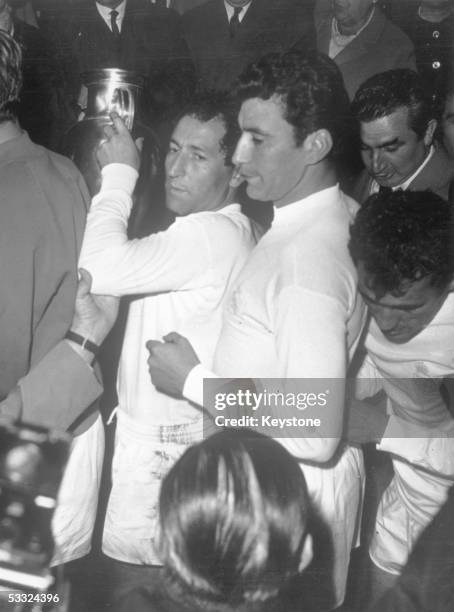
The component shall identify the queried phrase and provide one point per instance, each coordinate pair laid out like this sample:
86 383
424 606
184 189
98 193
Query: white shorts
337 494
408 505
75 514
143 455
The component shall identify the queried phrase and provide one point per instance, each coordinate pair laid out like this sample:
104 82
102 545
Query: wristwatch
84 342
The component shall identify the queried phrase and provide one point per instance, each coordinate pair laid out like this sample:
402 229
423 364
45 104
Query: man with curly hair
403 246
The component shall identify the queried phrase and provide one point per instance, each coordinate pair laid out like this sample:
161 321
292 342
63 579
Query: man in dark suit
430 25
132 35
225 36
183 6
361 40
397 122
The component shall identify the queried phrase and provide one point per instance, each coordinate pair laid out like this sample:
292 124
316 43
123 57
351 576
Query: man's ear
317 146
307 554
139 143
430 131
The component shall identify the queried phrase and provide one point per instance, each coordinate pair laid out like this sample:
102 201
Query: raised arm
164 261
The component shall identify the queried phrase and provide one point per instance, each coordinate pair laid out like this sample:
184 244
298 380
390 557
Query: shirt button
436 34
436 65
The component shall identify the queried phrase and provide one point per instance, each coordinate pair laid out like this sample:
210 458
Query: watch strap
84 342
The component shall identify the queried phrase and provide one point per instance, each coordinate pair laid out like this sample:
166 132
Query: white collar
375 186
105 11
420 168
228 208
299 211
225 210
231 10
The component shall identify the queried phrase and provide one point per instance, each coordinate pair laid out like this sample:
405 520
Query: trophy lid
113 76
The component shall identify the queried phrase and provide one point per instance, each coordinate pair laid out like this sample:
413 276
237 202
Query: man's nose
386 318
377 161
242 151
176 164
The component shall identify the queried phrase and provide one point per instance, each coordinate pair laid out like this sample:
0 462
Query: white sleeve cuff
193 385
119 176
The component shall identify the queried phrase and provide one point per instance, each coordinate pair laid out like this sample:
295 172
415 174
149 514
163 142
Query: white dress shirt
231 10
105 12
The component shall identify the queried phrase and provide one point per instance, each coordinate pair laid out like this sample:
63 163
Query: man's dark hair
310 87
404 236
206 105
386 92
10 75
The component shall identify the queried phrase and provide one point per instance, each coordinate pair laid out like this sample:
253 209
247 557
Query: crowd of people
307 170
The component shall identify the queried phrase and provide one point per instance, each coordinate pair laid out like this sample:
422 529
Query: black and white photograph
227 306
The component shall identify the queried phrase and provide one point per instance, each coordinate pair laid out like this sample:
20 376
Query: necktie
234 23
114 24
386 190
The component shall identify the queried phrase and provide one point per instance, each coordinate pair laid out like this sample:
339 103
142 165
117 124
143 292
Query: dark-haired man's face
391 150
197 177
352 14
404 314
267 155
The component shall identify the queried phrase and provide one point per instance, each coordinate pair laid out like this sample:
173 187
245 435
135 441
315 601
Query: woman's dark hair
234 512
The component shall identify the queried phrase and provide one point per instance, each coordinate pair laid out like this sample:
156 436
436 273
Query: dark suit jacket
434 46
183 6
151 43
269 25
436 176
380 46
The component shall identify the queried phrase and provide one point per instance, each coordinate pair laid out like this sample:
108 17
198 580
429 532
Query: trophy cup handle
124 104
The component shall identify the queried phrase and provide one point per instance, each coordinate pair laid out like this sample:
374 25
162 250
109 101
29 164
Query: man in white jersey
403 245
295 311
185 274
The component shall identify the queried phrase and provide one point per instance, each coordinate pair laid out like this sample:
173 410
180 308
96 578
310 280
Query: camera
32 461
